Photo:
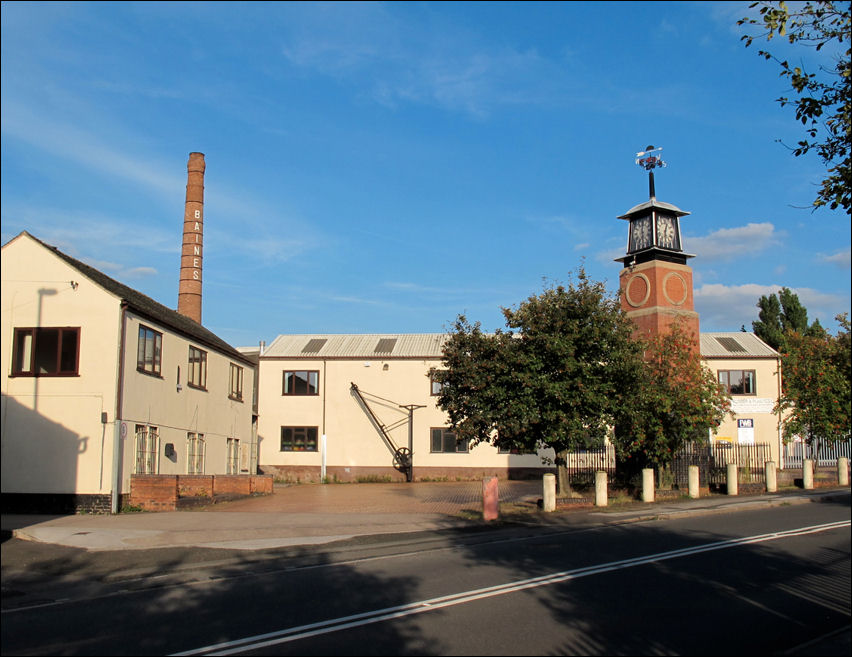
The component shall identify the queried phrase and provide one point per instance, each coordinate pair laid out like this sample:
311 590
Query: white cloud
731 243
728 307
842 258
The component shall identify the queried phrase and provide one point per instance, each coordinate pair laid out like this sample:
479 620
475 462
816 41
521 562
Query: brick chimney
191 258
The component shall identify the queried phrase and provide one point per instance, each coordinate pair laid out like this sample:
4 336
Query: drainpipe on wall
780 435
323 439
118 424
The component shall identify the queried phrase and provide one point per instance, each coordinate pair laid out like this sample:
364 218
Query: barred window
147 449
194 453
233 464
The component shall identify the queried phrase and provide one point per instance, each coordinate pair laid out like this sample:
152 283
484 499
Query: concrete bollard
771 477
732 478
694 493
843 471
648 484
490 499
601 495
549 492
808 474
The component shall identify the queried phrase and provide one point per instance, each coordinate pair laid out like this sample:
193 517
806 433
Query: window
195 453
301 383
436 385
444 440
235 387
197 375
46 352
233 464
298 439
147 448
738 382
149 351
515 451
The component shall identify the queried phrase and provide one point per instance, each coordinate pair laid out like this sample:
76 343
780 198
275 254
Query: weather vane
650 159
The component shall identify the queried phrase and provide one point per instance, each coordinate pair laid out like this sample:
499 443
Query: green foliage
554 379
816 402
781 315
676 401
567 371
824 103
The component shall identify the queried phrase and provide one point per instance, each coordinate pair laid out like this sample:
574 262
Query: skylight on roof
731 345
385 346
314 345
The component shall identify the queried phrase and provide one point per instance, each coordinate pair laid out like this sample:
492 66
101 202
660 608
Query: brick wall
233 484
195 485
261 484
154 492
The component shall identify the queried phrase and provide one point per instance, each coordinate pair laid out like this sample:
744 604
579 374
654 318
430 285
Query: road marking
379 615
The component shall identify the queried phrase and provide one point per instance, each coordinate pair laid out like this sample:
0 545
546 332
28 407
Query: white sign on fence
745 431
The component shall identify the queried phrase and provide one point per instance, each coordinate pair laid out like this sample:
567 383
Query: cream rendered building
751 370
314 425
101 382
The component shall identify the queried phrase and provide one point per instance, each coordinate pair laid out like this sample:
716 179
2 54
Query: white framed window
147 449
195 453
233 464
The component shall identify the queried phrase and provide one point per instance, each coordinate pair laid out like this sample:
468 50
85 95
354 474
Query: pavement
315 514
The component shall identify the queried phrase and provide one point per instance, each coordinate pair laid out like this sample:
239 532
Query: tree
555 379
816 401
676 401
824 103
780 315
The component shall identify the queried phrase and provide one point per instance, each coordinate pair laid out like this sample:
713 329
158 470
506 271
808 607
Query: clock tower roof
652 204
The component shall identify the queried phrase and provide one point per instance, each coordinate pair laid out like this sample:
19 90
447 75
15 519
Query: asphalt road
750 582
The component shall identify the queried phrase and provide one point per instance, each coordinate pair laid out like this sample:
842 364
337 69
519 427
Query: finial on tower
650 159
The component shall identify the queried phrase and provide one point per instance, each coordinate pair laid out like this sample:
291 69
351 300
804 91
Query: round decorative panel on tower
675 288
638 290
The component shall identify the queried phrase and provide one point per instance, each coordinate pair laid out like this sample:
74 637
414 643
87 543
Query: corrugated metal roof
428 345
368 346
735 345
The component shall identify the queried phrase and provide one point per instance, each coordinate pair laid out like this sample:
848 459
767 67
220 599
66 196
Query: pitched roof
358 346
735 344
146 306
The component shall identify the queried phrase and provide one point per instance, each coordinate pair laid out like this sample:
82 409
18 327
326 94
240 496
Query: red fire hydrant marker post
490 499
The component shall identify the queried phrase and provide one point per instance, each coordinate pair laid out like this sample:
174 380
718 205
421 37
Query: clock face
640 234
666 235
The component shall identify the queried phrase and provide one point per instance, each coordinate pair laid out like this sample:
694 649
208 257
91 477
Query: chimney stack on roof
189 291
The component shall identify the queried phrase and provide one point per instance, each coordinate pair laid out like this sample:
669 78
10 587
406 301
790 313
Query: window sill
155 375
195 387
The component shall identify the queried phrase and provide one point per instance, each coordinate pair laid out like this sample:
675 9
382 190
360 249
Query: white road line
388 613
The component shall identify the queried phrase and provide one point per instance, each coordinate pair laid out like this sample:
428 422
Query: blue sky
382 168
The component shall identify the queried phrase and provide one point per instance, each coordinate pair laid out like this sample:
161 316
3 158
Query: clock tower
656 283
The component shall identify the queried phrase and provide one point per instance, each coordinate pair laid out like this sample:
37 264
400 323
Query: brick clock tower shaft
656 283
